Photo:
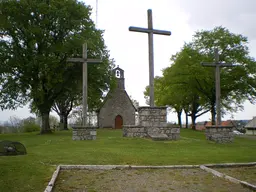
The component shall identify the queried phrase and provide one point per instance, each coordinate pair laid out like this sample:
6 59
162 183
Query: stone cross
84 60
217 66
150 31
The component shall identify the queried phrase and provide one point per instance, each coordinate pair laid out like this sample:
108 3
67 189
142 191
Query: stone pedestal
152 124
219 134
152 116
84 133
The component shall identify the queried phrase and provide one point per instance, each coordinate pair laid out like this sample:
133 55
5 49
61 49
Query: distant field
33 171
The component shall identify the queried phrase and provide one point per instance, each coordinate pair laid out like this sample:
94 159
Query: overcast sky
182 18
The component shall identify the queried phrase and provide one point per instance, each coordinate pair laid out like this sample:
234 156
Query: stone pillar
152 124
219 134
84 133
152 116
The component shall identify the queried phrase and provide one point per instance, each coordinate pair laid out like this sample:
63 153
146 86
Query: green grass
33 171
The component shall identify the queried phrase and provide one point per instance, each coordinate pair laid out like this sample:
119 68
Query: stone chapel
117 109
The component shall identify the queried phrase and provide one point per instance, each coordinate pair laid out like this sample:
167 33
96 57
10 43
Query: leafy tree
63 106
237 83
181 82
37 37
188 86
176 88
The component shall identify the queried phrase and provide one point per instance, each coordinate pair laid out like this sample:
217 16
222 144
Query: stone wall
219 134
134 131
172 133
152 124
152 116
84 133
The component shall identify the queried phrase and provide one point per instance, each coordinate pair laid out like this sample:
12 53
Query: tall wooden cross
150 31
84 60
217 66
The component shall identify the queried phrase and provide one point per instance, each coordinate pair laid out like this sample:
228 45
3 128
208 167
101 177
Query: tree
37 37
237 83
188 86
176 88
181 83
63 106
99 81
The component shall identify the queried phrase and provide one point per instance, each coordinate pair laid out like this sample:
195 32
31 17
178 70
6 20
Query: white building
251 127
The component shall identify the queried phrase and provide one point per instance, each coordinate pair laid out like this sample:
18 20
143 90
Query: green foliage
37 37
237 83
186 85
45 152
30 127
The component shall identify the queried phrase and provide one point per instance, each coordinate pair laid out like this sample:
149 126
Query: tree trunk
213 112
193 119
179 118
65 121
61 118
186 119
98 117
45 123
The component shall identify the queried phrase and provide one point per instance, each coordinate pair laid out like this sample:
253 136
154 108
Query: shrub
30 127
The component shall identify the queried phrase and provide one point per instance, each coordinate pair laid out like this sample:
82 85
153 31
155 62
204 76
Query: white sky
182 18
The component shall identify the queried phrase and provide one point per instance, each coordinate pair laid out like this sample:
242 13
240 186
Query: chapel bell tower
119 74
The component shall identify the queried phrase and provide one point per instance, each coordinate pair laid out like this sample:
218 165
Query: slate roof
108 96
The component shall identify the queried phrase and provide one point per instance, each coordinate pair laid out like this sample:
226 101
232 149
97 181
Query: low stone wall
84 133
219 134
172 133
134 131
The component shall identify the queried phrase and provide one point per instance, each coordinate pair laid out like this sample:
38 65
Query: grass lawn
33 171
247 174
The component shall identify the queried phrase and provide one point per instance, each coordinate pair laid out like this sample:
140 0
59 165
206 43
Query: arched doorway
118 122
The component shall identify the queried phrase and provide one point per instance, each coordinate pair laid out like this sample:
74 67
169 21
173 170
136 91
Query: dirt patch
142 180
247 174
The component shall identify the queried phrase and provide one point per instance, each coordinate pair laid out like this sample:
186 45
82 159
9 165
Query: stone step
158 136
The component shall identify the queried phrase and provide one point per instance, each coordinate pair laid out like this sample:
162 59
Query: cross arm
75 60
144 30
219 64
81 60
94 60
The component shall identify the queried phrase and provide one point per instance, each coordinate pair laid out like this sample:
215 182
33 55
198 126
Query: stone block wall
134 131
152 124
172 133
152 116
219 134
84 133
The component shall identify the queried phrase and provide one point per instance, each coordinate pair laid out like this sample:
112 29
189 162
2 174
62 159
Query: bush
30 127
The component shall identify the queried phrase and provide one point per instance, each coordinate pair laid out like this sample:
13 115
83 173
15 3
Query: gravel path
143 180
